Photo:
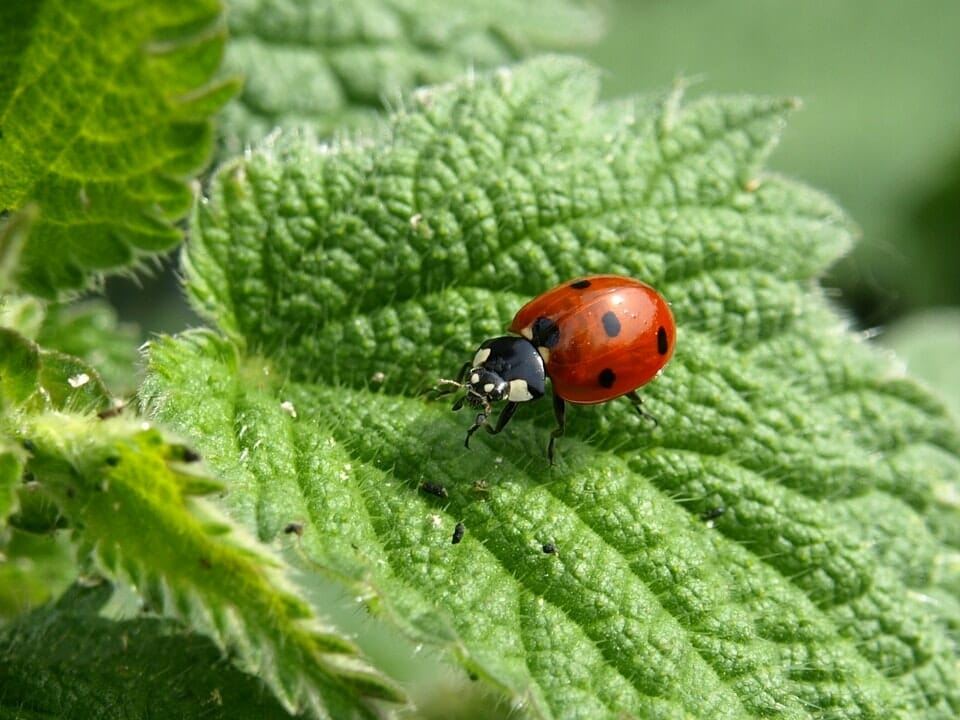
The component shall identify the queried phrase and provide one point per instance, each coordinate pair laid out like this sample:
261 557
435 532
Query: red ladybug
597 338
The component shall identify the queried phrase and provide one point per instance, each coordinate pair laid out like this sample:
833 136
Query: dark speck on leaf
434 489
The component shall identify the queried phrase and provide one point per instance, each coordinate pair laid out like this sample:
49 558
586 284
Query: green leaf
91 330
33 569
783 543
67 661
332 65
127 492
104 115
33 379
130 495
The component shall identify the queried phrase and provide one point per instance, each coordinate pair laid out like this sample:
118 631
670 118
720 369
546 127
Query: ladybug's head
484 387
505 368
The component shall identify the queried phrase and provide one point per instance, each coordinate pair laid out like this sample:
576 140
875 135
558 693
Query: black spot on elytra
607 378
611 324
545 332
580 285
662 344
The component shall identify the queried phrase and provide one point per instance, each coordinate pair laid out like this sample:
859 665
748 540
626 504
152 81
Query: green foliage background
880 130
783 545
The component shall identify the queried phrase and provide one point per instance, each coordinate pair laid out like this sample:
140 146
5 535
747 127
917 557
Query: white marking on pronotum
481 357
519 392
488 388
474 378
78 380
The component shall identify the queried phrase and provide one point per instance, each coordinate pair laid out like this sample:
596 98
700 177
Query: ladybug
597 338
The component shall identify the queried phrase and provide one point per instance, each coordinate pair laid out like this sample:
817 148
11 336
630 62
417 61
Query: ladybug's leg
638 405
560 413
478 423
505 415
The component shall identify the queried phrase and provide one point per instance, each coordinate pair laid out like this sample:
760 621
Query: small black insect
434 489
294 528
712 513
549 549
458 531
112 411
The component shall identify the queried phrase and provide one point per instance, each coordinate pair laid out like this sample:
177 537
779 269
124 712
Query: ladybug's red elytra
597 338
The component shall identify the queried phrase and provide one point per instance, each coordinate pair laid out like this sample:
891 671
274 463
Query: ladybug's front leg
478 423
560 413
505 415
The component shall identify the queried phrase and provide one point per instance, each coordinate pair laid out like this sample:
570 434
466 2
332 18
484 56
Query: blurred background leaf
929 344
334 66
880 130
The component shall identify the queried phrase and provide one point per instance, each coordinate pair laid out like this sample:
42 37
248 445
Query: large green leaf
333 64
778 546
104 115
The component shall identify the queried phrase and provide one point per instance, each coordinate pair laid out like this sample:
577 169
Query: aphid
434 489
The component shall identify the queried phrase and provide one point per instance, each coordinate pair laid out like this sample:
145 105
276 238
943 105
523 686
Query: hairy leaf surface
131 497
783 544
104 114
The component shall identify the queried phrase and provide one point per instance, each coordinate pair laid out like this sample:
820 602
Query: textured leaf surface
145 667
130 495
104 113
783 544
331 65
